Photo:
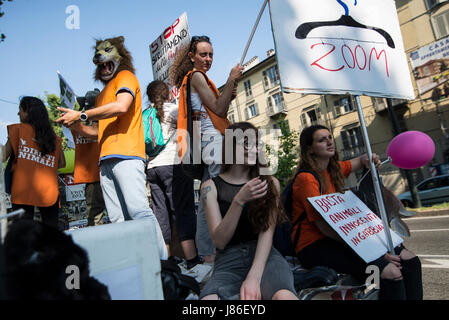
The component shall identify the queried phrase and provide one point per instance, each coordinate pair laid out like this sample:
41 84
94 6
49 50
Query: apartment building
424 26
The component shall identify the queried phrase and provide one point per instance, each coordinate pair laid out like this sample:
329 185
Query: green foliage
53 102
2 36
287 153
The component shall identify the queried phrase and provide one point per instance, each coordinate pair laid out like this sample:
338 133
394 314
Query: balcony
275 110
353 152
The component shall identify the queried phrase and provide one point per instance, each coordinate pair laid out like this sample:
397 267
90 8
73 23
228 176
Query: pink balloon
411 150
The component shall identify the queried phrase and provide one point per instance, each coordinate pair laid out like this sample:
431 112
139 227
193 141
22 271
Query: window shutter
246 114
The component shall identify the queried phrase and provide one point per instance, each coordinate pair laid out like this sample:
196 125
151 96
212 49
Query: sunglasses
200 38
196 39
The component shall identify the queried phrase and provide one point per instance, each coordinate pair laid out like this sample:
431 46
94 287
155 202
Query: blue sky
38 42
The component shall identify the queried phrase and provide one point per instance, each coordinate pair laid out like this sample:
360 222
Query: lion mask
111 57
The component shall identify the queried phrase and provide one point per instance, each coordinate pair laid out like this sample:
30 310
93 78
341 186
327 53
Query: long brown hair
158 93
308 162
182 63
45 136
265 211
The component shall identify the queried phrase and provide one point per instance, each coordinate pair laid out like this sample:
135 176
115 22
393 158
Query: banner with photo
431 65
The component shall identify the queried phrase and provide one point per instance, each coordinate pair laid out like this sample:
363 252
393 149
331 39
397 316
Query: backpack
175 285
152 130
282 240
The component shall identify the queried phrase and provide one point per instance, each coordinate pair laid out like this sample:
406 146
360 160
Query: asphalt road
430 241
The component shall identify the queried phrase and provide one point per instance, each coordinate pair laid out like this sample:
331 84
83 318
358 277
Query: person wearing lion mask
118 110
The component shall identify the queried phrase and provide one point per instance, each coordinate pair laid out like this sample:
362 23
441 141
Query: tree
53 102
2 36
287 156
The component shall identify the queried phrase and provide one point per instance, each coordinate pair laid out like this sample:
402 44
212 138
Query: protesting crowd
119 149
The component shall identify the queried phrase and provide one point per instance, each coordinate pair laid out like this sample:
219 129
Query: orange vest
219 123
87 155
306 186
35 177
122 135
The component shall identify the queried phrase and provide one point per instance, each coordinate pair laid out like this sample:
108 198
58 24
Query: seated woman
319 244
242 209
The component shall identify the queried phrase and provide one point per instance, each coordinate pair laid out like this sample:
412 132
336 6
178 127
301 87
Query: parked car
431 191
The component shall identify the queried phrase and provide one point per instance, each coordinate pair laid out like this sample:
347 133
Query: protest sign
165 47
431 65
68 99
75 192
340 47
355 223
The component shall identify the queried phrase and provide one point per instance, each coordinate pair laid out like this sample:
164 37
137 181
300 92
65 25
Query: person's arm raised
219 105
113 109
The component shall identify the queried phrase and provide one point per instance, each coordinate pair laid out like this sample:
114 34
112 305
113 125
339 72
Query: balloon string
369 170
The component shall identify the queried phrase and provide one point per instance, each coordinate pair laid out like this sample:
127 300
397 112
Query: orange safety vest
219 123
35 176
87 155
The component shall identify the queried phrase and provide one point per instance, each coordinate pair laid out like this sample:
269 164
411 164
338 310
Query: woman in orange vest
319 244
210 108
37 155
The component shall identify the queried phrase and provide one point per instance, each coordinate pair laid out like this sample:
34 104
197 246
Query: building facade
261 101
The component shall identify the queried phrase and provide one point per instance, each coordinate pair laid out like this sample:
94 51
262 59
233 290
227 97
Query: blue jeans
123 182
204 241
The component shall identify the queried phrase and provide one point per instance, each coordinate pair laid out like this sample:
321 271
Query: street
429 240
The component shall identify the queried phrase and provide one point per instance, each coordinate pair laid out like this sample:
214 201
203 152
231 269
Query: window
248 90
231 117
311 116
441 24
431 3
343 105
275 104
251 111
353 144
271 77
379 104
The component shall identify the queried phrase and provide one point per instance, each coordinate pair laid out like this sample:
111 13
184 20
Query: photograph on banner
431 65
340 47
355 223
165 47
68 99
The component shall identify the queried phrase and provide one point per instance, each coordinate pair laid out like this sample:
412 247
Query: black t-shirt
225 194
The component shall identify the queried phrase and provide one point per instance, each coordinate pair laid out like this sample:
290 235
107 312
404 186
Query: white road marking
426 218
438 264
430 230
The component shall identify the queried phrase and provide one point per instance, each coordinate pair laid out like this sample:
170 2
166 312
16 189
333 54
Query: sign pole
3 222
376 182
253 31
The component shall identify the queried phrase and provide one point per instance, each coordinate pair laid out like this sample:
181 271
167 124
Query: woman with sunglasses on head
318 244
243 208
36 154
210 108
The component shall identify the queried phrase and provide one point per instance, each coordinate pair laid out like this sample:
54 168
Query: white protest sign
356 224
340 47
75 192
165 47
68 99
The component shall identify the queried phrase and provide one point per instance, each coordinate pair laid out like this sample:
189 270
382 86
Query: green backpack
152 130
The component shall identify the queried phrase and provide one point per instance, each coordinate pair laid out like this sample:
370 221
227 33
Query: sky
38 42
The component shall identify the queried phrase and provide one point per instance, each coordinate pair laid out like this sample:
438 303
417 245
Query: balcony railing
276 109
353 152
